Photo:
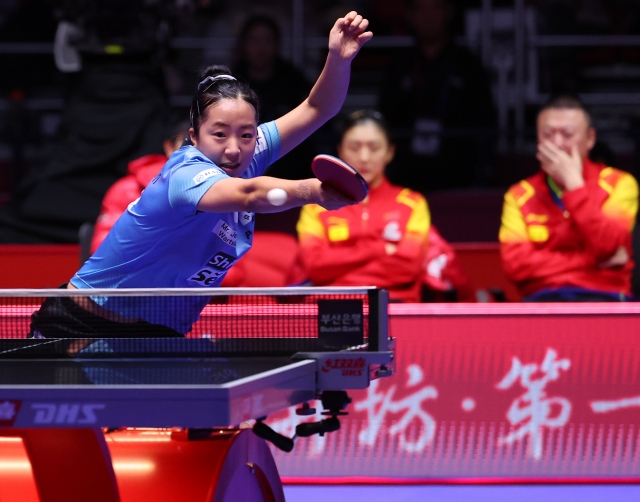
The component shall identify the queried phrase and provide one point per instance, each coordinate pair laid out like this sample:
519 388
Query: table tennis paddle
340 176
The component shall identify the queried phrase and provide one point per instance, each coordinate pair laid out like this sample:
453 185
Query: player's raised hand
348 35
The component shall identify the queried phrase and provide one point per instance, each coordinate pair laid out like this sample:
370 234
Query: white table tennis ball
277 196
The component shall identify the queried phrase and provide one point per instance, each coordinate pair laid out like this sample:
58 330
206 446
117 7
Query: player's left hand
348 35
565 169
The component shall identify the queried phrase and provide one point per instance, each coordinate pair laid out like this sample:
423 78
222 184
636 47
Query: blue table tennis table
67 397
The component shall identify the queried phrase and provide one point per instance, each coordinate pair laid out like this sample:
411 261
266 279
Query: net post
378 320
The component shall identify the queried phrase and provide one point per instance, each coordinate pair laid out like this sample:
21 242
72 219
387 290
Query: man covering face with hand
566 231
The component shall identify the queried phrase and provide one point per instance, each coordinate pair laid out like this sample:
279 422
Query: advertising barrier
489 392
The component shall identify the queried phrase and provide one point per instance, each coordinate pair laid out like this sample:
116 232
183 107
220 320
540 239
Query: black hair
212 90
362 116
259 20
567 101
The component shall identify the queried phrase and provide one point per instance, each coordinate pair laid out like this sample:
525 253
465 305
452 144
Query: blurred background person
438 102
380 242
281 87
128 188
566 231
28 22
115 107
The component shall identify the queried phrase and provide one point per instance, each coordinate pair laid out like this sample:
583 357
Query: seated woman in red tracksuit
380 242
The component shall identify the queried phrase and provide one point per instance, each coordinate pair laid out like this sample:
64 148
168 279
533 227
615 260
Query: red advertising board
490 392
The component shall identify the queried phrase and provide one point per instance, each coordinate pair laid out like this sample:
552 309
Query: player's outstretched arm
265 194
346 38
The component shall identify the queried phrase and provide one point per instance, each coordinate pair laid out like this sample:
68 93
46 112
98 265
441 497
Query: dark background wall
527 48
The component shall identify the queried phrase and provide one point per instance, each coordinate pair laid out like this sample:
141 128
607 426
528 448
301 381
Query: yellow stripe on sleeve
604 182
622 204
420 219
527 191
513 227
408 198
309 223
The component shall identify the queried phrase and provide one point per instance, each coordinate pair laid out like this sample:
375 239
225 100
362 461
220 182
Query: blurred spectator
380 242
114 110
127 189
600 68
279 85
566 231
27 21
24 22
438 101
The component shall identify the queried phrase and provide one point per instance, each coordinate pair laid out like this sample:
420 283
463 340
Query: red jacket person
566 231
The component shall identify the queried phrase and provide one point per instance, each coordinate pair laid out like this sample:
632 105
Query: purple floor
457 493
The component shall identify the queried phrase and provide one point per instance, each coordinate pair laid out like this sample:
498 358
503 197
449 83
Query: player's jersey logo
225 233
221 261
207 173
216 267
246 218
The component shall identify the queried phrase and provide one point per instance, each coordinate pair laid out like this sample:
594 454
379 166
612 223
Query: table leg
73 465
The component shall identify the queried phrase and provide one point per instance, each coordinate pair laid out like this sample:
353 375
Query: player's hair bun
214 71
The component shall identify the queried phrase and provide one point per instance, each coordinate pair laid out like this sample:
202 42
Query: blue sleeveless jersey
163 241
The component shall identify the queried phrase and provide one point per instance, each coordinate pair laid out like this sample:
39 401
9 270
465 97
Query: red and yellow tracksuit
347 247
547 243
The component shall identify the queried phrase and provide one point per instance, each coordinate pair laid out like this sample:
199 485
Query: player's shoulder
267 136
191 163
185 156
188 153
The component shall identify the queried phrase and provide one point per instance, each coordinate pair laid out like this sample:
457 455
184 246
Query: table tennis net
138 323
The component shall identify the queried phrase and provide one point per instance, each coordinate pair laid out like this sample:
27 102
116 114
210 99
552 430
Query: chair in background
85 234
267 264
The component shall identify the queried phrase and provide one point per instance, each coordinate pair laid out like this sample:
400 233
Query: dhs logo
66 413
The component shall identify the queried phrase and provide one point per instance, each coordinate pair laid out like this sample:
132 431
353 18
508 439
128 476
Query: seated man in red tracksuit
566 231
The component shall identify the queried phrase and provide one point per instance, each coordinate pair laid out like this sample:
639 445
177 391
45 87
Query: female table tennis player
195 219
380 242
